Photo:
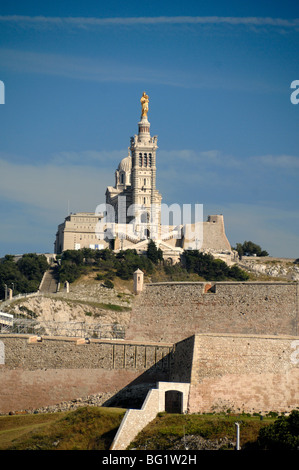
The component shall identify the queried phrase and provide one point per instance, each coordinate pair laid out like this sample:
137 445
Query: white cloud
89 157
158 20
51 188
91 69
288 162
274 228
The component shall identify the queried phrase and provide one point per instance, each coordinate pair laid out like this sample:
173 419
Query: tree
153 253
248 248
212 269
32 266
24 275
283 434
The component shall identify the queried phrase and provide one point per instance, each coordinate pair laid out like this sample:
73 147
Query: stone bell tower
146 198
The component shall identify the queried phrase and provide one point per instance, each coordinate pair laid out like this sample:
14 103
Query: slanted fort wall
243 373
237 372
236 344
41 373
173 311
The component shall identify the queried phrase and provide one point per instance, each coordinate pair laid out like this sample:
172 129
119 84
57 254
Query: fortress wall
34 375
244 373
251 373
211 232
174 311
214 236
182 361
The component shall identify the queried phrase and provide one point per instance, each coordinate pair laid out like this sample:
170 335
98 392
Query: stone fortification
41 373
254 374
237 372
174 311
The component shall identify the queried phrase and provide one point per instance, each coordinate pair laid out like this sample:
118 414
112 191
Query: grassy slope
93 428
88 428
167 431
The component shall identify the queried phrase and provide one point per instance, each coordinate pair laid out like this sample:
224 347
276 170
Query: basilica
133 212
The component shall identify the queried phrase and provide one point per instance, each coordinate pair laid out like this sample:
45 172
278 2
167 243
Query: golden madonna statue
144 104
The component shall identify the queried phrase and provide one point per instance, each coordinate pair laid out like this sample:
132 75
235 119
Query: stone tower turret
145 197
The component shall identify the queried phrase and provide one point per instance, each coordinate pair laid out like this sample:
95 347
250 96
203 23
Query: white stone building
134 211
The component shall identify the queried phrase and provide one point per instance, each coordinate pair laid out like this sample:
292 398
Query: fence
69 329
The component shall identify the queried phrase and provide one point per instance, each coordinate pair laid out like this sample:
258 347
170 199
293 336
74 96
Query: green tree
249 248
24 275
283 434
32 266
210 268
153 253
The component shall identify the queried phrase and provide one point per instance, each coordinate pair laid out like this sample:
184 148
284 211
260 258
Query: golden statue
144 104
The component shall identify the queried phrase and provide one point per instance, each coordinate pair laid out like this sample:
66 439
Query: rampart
236 344
254 374
251 373
173 311
47 372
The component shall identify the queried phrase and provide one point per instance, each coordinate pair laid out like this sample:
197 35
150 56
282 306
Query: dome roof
125 164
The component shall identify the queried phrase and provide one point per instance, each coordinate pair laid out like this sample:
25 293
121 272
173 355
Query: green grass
87 428
164 432
114 307
93 428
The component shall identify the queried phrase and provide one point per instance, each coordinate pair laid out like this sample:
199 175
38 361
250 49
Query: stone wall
251 373
53 370
244 373
174 311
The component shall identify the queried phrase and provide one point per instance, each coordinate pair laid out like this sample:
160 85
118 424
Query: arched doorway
173 401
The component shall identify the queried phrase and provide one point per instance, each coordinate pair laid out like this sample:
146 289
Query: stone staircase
49 283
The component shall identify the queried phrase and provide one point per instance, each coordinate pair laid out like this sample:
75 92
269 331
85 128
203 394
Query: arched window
140 159
150 159
145 159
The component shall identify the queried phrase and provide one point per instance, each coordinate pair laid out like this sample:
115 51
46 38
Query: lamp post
238 436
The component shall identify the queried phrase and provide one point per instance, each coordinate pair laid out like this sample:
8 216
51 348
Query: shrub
109 284
282 435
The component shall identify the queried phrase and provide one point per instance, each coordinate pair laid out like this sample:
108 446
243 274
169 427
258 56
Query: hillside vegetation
218 432
24 275
94 428
87 428
194 266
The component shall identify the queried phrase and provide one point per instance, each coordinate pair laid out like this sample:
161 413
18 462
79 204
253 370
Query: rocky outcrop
90 400
276 268
87 302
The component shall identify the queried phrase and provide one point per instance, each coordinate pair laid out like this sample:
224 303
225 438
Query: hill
94 428
87 428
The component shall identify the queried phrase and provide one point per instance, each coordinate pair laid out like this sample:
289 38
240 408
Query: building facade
133 211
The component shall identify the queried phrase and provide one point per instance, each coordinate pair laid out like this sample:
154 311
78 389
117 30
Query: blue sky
218 75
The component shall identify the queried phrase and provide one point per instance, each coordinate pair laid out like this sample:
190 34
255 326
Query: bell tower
146 198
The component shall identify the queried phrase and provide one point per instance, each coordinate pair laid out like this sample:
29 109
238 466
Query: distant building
133 213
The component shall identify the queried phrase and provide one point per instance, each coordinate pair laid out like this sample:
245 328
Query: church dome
125 164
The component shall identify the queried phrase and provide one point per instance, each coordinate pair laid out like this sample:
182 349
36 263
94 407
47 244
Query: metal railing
67 329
